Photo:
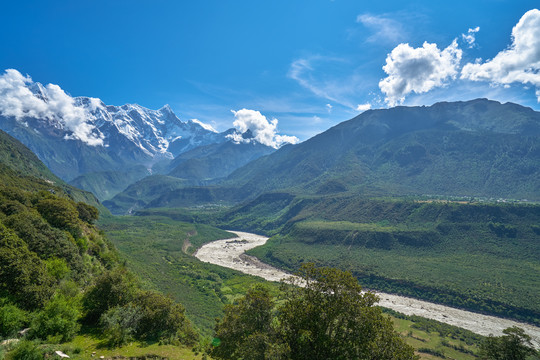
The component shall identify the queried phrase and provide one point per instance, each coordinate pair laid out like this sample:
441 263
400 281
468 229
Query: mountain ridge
476 148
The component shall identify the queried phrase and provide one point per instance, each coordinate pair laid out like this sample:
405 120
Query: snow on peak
204 125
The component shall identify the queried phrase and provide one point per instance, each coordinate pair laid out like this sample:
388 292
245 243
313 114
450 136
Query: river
230 253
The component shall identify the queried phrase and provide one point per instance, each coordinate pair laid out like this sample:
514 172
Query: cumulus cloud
329 107
520 63
470 36
363 107
418 70
263 131
204 125
47 102
384 28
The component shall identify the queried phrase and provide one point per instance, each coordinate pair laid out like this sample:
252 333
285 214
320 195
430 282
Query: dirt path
230 253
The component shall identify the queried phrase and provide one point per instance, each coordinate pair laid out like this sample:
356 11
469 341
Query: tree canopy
326 317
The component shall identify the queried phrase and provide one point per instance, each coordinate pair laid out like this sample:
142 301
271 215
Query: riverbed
230 253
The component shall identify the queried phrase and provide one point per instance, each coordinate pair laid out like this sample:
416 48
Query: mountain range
104 148
476 148
132 157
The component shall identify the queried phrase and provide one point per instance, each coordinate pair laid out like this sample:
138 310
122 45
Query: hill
475 148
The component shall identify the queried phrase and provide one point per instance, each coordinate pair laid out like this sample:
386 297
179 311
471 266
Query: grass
83 346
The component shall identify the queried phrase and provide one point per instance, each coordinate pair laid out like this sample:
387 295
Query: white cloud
50 102
263 131
363 107
418 70
470 37
204 125
520 63
329 107
384 29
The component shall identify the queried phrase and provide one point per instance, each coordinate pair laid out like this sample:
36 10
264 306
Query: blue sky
309 64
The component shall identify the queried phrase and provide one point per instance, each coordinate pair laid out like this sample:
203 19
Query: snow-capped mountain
103 148
84 135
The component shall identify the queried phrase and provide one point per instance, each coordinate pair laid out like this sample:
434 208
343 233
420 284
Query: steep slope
20 167
478 147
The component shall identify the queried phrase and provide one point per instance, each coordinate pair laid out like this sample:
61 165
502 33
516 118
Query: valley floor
230 253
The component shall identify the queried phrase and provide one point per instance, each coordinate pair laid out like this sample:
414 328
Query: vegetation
513 345
58 271
327 318
438 251
158 249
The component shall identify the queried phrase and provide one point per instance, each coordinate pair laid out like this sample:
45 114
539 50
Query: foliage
113 288
58 321
87 213
162 318
120 324
12 319
245 331
26 350
328 317
515 344
60 213
22 274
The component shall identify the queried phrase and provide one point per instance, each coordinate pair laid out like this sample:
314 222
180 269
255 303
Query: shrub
26 350
58 321
120 324
12 319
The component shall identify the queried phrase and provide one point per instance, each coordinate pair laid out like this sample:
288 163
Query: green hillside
61 278
479 256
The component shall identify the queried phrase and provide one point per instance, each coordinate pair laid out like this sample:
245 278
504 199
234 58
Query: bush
163 319
26 350
120 324
22 274
60 213
87 213
113 288
58 321
12 319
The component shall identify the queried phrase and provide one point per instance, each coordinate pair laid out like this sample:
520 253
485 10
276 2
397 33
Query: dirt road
230 253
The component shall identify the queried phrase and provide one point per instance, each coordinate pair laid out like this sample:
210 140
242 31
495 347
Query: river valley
230 253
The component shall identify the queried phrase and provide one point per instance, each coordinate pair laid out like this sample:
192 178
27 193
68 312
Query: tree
515 344
113 288
245 331
325 316
330 318
22 274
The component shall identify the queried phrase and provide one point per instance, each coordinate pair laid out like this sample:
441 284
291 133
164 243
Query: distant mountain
478 147
104 148
216 161
107 138
201 166
472 148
